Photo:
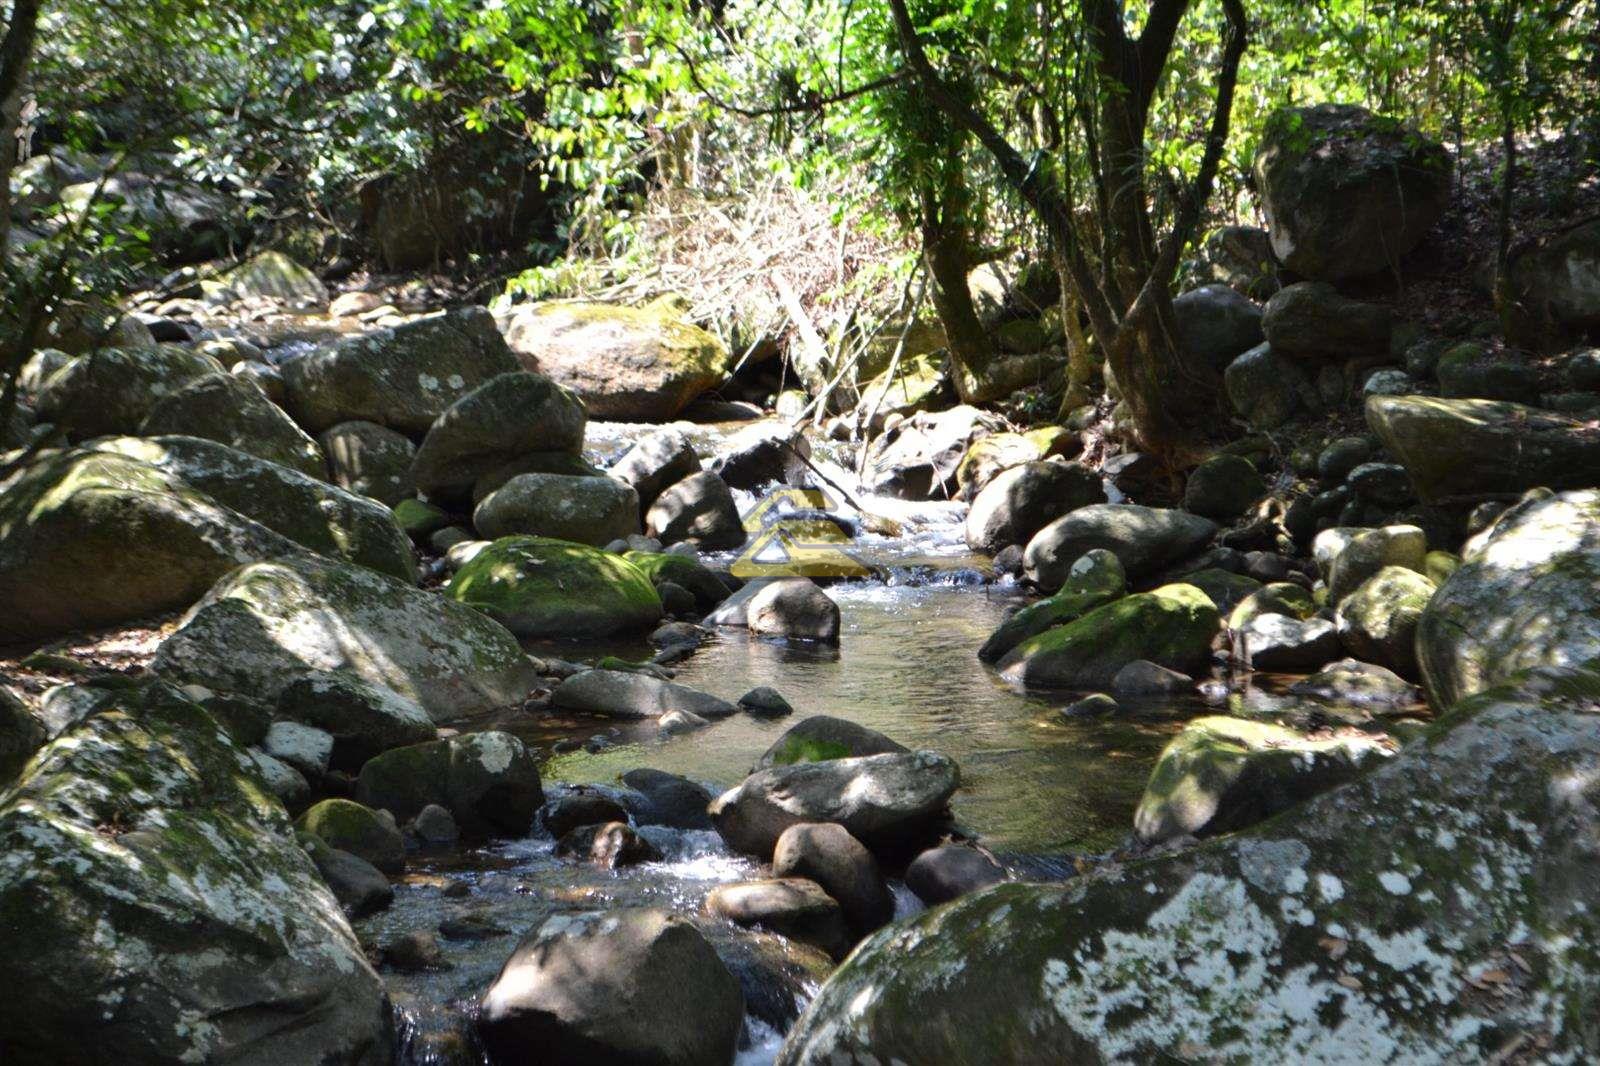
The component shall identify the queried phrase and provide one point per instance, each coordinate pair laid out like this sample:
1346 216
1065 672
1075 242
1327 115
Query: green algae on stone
1280 597
348 826
1094 580
706 587
539 587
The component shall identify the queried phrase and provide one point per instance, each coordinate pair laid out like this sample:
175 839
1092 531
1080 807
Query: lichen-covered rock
1019 502
1144 539
1347 193
1465 449
1094 580
1437 909
113 390
1222 774
627 364
628 694
155 901
403 378
264 625
275 276
487 781
506 417
235 412
348 826
1378 621
363 718
539 587
1172 626
586 510
90 538
305 509
706 587
1527 594
370 460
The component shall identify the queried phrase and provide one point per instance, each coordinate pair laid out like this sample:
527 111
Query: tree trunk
16 54
1080 354
948 257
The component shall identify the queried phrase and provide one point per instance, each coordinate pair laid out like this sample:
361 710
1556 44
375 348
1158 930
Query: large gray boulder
155 902
113 390
1557 279
625 694
585 510
1312 321
1217 323
264 625
1144 539
1527 594
1431 911
1347 193
403 378
488 782
1020 501
659 460
234 411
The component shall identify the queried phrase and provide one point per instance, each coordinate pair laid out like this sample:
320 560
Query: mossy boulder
369 460
1223 487
114 389
403 378
155 901
586 510
348 826
1280 597
822 737
1434 909
1267 388
989 456
691 574
1470 370
539 587
264 625
1172 626
1224 588
307 510
235 412
275 276
627 364
1222 774
1378 621
488 781
1093 581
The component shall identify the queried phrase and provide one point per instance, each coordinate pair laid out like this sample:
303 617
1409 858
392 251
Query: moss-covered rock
1223 487
264 625
585 510
1435 909
1093 581
155 901
988 456
113 390
1172 626
275 276
822 737
919 384
627 364
538 587
348 826
1224 588
488 781
691 574
235 412
1280 597
370 460
1378 621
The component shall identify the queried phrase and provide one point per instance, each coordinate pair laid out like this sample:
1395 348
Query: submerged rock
1144 540
793 608
541 587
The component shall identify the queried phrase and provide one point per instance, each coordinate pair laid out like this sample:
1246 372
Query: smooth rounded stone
1008 561
348 826
239 943
282 780
628 695
675 722
660 459
1221 774
360 887
370 460
630 987
1467 449
685 571
789 906
765 702
1143 680
700 510
1281 644
404 377
1144 540
1270 568
677 634
669 800
1267 389
487 781
1388 381
508 416
1383 485
541 587
1524 596
768 452
235 412
1335 462
1369 552
1094 579
820 736
435 825
1223 488
442 540
951 871
828 855
627 364
565 813
1215 323
418 951
1347 193
880 799
1019 502
564 464
608 846
266 624
1581 370
363 718
988 457
1280 598
1354 682
1224 588
586 510
1094 705
794 609
1378 621
1172 626
112 391
301 746
1470 371
1311 321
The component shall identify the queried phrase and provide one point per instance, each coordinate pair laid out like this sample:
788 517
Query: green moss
1277 598
539 587
797 749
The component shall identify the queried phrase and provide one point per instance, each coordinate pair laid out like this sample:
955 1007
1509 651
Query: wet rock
359 886
435 826
951 871
1223 488
503 419
669 800
113 390
765 702
1222 774
1173 626
1267 388
627 364
1095 579
1354 682
1019 502
794 609
487 781
363 718
565 813
879 799
674 722
585 510
789 906
126 835
1378 621
370 460
687 573
659 460
677 634
1008 561
1145 680
624 694
265 625
841 864
820 737
1094 705
471 925
235 412
1312 322
418 951
1283 644
634 987
1144 539
700 510
541 587
608 846
1369 551
350 827
1216 323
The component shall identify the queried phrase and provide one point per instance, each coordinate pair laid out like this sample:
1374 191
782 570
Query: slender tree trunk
1080 354
16 55
947 253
